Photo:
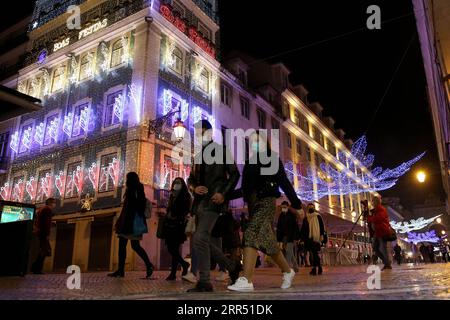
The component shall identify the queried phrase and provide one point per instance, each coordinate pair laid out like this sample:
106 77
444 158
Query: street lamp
443 232
438 220
156 125
421 176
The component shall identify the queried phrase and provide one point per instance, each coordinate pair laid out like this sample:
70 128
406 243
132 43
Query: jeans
218 243
381 250
204 248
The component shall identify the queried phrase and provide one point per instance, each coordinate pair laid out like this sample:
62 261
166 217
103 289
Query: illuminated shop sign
92 29
59 45
191 32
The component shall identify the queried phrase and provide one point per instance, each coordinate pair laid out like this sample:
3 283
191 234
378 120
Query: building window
242 75
79 126
179 9
285 110
299 147
331 148
177 61
51 130
44 185
86 66
58 78
117 53
111 117
313 133
304 125
275 124
206 33
288 140
320 139
106 178
26 138
245 108
308 153
297 117
261 119
225 94
204 81
74 180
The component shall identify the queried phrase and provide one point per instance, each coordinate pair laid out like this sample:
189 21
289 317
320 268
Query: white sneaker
241 285
288 277
190 277
223 276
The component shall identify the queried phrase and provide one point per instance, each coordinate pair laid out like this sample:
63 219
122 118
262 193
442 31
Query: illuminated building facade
132 61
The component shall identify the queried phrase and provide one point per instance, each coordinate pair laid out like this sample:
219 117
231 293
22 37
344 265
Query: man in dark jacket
213 177
42 226
288 233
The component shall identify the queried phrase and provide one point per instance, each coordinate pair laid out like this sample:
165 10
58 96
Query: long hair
183 194
135 189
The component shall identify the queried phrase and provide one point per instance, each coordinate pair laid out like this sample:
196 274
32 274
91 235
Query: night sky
348 73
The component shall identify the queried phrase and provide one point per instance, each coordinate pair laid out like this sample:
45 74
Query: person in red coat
380 221
41 230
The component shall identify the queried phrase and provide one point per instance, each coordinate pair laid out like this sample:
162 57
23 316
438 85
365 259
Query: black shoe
149 272
386 267
313 272
171 277
319 272
185 269
117 274
234 273
202 287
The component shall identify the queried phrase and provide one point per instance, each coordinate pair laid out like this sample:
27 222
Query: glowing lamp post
421 176
157 125
179 130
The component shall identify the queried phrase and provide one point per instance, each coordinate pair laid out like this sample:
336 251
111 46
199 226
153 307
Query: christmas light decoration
326 180
126 51
196 76
135 98
413 225
196 114
114 171
168 60
5 191
118 107
416 238
45 186
85 115
18 191
35 87
75 69
77 177
53 128
26 137
167 101
14 144
104 51
60 182
39 134
93 173
46 81
30 188
22 87
184 110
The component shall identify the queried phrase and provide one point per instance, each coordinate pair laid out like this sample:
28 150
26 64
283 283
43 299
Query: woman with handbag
132 224
263 175
313 234
175 225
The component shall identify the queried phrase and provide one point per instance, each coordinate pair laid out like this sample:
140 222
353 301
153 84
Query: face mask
284 210
177 187
311 210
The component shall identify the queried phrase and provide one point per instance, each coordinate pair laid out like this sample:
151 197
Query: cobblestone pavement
350 282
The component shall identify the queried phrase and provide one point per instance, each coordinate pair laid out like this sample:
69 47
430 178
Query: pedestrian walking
261 182
431 254
398 253
213 176
288 233
383 231
231 240
175 225
443 249
132 224
415 253
41 232
312 233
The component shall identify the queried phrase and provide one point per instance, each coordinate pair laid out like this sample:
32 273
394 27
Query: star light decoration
330 181
422 237
413 225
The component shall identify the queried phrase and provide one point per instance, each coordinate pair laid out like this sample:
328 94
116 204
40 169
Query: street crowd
198 210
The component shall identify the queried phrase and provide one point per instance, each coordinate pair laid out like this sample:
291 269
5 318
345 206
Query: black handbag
391 237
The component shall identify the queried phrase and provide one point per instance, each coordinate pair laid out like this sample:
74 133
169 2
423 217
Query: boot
313 271
172 277
117 274
202 287
185 269
149 272
319 272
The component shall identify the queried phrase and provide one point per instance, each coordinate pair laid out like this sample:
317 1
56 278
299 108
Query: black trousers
315 257
137 248
174 249
44 251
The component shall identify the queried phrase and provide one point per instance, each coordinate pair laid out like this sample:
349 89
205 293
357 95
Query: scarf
314 226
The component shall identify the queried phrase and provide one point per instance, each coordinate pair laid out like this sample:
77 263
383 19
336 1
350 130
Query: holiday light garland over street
413 225
329 180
